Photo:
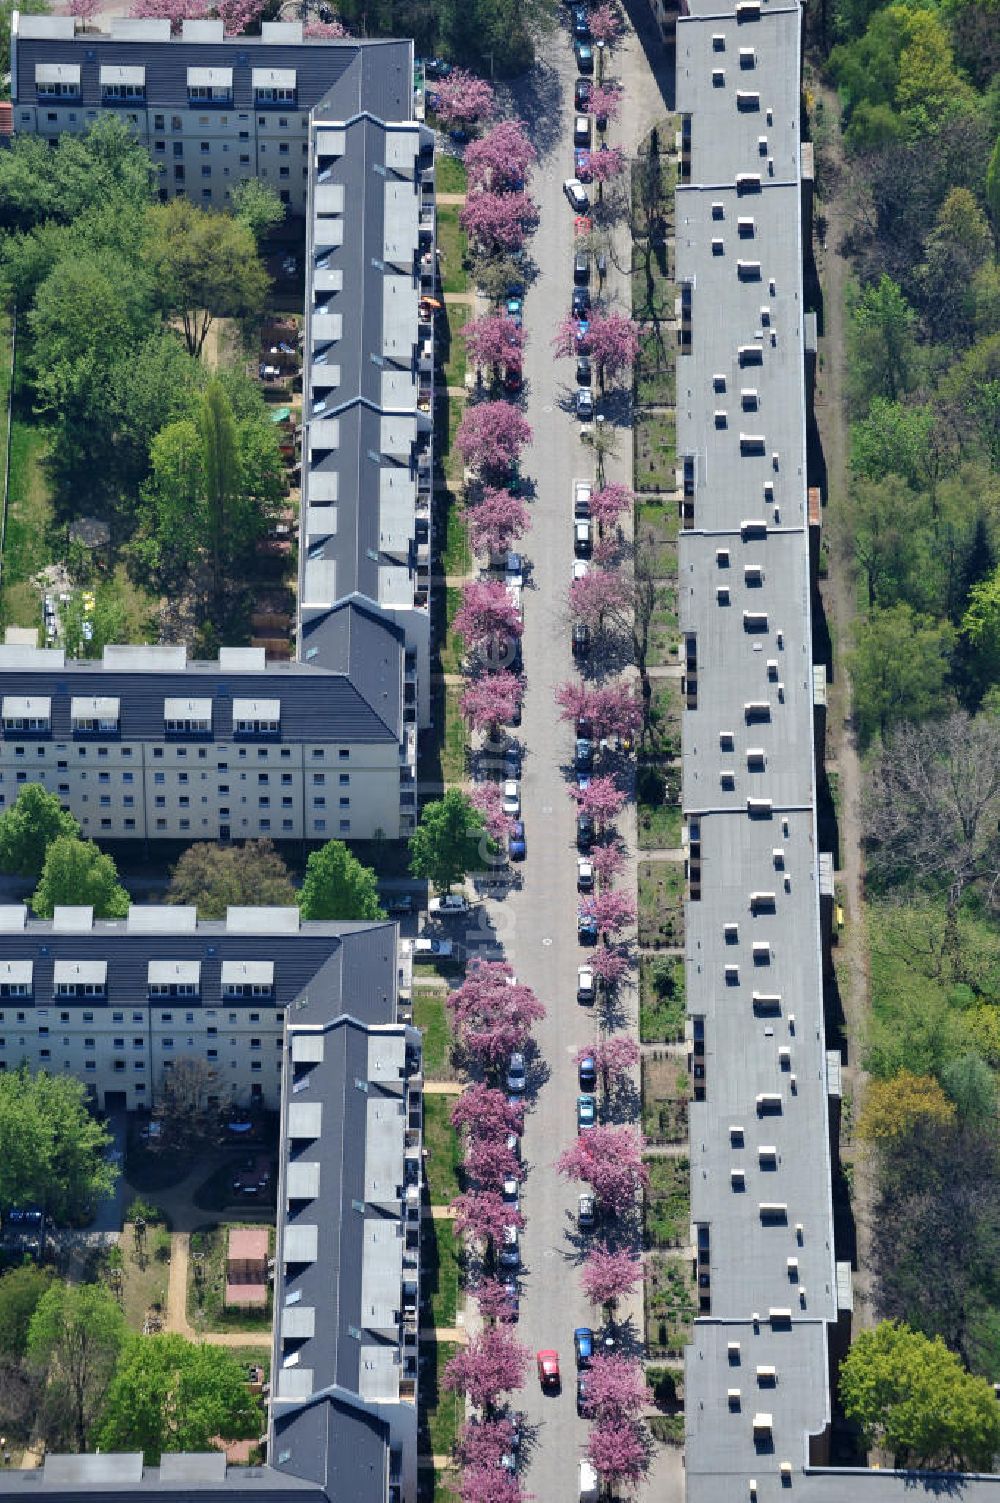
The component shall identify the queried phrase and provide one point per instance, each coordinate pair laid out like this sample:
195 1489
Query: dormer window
187 716
26 713
80 978
256 717
123 85
57 81
94 715
242 979
173 978
273 86
210 86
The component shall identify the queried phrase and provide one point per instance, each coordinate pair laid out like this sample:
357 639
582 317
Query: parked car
451 904
586 1220
581 130
514 1303
586 988
515 309
581 568
582 89
583 1345
577 194
583 530
513 379
581 22
548 1370
584 402
581 164
586 929
584 370
584 832
400 903
586 1113
514 569
512 798
582 492
584 874
581 267
583 754
511 1190
584 56
510 1248
587 1072
581 640
512 760
582 225
581 1395
580 302
517 1075
514 1145
516 846
442 948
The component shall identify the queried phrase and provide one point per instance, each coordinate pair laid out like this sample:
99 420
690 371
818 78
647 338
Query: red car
548 1370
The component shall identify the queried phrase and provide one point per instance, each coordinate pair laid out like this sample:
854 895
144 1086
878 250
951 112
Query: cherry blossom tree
574 700
237 15
494 1304
605 164
493 1362
484 1441
483 1214
616 1387
607 1277
488 799
490 1484
606 101
606 25
86 10
463 99
602 799
492 700
616 710
489 1162
608 503
599 593
494 339
609 1159
486 614
499 220
485 1112
500 159
492 1015
608 860
491 435
610 964
619 1452
174 11
614 342
569 341
613 910
496 520
614 1057
329 31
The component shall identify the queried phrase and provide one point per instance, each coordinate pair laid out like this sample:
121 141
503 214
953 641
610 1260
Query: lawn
453 248
658 809
456 560
450 175
455 364
661 904
662 741
206 1288
440 1411
439 1272
655 451
653 296
451 648
668 1202
663 628
670 1304
661 999
430 1017
655 372
658 517
454 745
29 520
442 1148
666 1091
145 1269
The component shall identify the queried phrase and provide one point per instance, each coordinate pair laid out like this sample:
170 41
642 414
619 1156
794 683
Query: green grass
430 1017
668 1429
443 1150
655 372
454 744
450 175
661 904
145 1270
668 1202
655 451
658 808
206 1307
453 246
664 632
455 365
653 297
661 999
662 740
440 1412
439 1271
671 1303
29 523
456 559
451 648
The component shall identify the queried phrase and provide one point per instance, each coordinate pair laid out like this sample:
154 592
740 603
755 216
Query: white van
588 1483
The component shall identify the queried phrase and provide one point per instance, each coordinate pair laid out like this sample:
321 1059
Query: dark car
584 56
581 268
513 1296
581 164
584 832
512 761
583 755
587 1070
513 379
581 1395
581 23
516 847
586 929
398 902
581 640
580 302
435 67
584 402
581 94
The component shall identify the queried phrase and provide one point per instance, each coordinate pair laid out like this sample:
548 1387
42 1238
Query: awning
18 707
117 73
16 972
174 973
256 709
103 707
187 709
248 973
274 78
210 78
80 973
57 73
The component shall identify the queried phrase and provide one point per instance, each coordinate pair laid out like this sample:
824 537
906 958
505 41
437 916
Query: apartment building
326 1000
146 745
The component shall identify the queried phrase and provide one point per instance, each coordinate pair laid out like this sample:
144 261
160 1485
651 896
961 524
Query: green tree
898 668
77 1333
28 828
958 246
20 1291
338 886
172 505
78 872
892 1107
51 1148
883 343
993 183
449 841
970 1084
170 1394
185 1109
929 89
256 205
65 182
892 439
205 266
150 387
912 1396
221 470
213 878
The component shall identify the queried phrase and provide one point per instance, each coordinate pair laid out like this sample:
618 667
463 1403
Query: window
255 1043
206 172
178 148
213 1053
178 178
158 122
264 802
319 802
283 149
345 827
123 94
118 1043
88 1043
319 824
345 803
344 753
57 91
204 147
159 145
283 171
128 777
286 778
319 778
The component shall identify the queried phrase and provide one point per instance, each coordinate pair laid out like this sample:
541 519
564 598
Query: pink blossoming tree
486 614
494 1304
614 1056
616 710
330 31
601 593
491 1016
492 700
613 910
605 164
606 25
608 503
484 1441
607 1277
569 340
499 221
490 1484
483 1214
463 99
492 435
485 1112
606 101
609 1159
608 859
574 700
619 1452
488 799
492 1363
174 11
602 799
610 964
614 343
86 10
497 520
500 159
494 339
237 15
489 1162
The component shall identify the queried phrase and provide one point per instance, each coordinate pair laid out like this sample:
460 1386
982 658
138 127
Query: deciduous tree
338 886
609 859
491 435
484 1442
899 665
52 1150
602 799
619 1452
883 342
500 159
616 1388
488 799
496 520
608 1277
609 1159
20 1291
605 164
610 964
499 221
447 843
492 700
483 1214
184 1109
257 205
485 1112
606 25
327 31
463 99
493 1362
606 101
28 828
492 1014
893 1107
613 910
598 596
494 339
489 1162
205 266
213 878
76 1334
486 615
78 872
609 502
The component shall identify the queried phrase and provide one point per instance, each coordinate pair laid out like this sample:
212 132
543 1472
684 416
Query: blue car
581 164
581 23
583 1345
584 56
586 929
516 847
586 1113
515 310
